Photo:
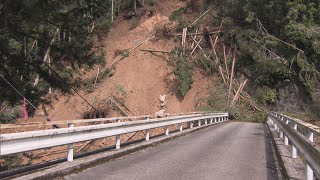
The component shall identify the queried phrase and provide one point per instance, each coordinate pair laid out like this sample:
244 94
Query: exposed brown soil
142 76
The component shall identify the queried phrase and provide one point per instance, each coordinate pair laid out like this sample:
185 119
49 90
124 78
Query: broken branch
152 51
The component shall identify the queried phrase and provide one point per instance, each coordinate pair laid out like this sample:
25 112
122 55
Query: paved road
233 150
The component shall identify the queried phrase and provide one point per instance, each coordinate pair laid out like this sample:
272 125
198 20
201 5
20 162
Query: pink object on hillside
25 108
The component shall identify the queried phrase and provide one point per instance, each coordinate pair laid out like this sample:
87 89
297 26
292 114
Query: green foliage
27 31
277 39
183 73
99 58
8 113
266 95
122 91
269 72
217 98
181 24
10 162
259 117
103 25
308 73
207 65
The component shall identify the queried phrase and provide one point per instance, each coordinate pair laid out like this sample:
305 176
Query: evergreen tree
30 29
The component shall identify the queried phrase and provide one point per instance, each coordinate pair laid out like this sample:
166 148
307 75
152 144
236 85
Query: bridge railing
97 120
303 142
33 140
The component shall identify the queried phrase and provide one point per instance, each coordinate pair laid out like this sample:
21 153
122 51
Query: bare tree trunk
231 77
135 5
25 46
49 63
112 10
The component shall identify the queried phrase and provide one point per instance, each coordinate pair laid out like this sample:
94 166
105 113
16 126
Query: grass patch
121 90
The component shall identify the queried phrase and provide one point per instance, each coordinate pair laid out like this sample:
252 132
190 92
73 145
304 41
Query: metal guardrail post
199 122
147 135
181 127
294 149
191 125
167 131
205 121
309 172
281 134
70 147
118 141
286 140
211 120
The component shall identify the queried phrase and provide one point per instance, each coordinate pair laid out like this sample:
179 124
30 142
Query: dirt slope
142 76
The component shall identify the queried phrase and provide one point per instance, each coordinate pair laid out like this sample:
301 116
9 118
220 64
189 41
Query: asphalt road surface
233 150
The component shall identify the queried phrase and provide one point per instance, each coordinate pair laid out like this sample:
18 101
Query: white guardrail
27 141
93 121
288 128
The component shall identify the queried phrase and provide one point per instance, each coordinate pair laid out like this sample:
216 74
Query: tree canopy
31 31
277 39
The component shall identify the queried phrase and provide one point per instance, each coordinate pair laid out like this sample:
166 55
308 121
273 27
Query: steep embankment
141 77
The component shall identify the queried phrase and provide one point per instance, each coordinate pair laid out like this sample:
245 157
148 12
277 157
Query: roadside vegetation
277 42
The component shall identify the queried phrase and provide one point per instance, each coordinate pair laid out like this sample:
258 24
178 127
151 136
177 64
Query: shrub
182 24
266 96
10 162
183 72
259 117
207 65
